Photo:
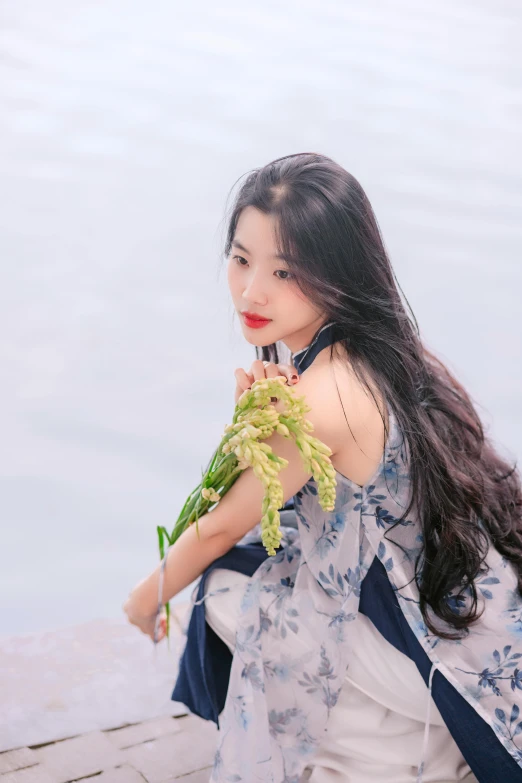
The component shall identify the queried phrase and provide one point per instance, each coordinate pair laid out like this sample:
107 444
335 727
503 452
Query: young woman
382 642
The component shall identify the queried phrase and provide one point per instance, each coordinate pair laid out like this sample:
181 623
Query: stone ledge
76 758
143 732
17 759
183 751
100 675
189 751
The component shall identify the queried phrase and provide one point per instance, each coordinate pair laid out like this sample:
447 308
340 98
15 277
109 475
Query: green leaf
160 541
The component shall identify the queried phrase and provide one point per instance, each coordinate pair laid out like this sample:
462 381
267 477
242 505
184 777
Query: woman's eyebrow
238 244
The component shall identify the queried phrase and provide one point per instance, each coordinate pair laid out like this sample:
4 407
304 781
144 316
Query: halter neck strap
325 336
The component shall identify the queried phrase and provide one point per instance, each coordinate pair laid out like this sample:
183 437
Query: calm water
123 127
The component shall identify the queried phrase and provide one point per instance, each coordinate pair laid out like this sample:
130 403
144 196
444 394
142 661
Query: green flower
241 447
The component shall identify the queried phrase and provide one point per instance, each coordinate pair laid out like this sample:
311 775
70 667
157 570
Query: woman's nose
253 291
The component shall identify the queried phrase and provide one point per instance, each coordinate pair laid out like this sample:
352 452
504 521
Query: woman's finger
264 369
289 371
243 379
258 370
162 626
162 632
271 370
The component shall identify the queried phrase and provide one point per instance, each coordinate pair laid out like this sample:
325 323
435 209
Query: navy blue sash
204 669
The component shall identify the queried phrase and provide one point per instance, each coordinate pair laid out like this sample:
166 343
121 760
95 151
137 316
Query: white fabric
375 732
298 622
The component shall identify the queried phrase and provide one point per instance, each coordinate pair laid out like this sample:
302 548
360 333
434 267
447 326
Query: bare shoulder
345 415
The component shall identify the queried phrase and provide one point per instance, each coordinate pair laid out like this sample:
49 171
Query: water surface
124 125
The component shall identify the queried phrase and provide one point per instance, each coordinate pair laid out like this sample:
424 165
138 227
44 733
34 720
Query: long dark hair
465 494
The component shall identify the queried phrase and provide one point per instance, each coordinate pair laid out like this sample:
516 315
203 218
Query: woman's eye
289 276
239 259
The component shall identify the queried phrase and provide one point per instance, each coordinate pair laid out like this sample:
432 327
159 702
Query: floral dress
298 619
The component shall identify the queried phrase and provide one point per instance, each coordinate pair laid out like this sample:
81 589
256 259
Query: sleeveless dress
297 629
375 732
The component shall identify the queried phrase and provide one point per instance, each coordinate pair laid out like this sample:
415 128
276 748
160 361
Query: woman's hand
259 370
139 615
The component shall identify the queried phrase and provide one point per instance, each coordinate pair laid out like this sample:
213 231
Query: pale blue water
123 127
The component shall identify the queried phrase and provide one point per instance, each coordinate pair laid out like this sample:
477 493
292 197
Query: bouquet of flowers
255 419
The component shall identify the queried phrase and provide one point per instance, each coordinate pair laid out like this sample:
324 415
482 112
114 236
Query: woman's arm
237 513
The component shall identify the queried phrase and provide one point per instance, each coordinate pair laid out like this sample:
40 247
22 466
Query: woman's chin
258 343
257 339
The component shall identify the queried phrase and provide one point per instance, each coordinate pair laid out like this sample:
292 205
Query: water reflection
124 126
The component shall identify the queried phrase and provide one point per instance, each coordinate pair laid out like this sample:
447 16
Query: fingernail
295 378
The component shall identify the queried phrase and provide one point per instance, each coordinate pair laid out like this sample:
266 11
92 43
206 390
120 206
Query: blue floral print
298 619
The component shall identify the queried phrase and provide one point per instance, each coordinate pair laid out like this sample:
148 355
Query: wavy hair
465 494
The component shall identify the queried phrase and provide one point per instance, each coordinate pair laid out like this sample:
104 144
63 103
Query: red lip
254 321
255 316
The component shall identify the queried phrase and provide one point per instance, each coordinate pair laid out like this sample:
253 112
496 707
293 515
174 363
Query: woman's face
262 284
